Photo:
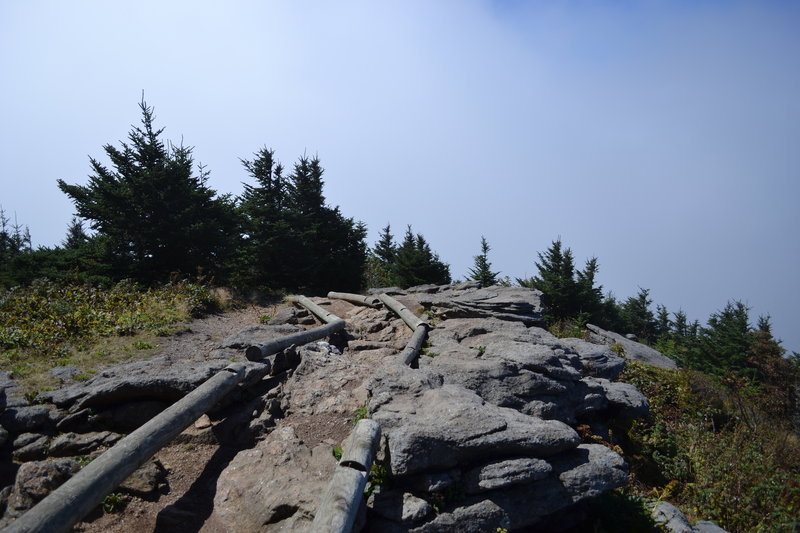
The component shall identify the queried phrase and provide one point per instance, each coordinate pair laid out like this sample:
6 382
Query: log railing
73 500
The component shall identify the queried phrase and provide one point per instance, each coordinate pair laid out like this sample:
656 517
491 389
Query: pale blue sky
662 137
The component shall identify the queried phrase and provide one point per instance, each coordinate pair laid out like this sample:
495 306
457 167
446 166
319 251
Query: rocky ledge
501 425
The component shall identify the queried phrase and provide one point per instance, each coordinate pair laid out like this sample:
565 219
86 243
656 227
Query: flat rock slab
452 425
275 486
632 350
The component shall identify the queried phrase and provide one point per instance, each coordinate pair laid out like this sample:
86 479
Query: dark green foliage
724 345
416 264
385 249
15 242
76 235
380 261
411 263
714 448
157 214
637 318
482 270
566 293
291 239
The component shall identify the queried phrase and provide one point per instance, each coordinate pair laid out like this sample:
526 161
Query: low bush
710 447
47 323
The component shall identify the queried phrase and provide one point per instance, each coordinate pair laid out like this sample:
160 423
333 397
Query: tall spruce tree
293 239
380 260
385 249
416 264
266 230
637 318
155 209
566 293
482 269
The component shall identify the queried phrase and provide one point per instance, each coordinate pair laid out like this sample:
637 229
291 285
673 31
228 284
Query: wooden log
414 345
359 451
408 317
70 502
371 301
338 508
322 314
260 351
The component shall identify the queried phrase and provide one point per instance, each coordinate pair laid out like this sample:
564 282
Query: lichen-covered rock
28 418
275 486
631 349
70 444
451 425
37 479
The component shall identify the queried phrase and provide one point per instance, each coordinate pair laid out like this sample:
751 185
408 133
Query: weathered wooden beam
361 445
339 506
408 317
371 301
322 314
414 345
260 351
70 502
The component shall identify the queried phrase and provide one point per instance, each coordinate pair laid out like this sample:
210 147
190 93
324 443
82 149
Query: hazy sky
661 137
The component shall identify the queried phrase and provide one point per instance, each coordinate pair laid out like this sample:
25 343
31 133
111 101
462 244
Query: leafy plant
113 503
378 477
359 414
337 453
708 442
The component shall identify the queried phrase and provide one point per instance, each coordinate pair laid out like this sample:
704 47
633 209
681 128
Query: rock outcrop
481 435
633 350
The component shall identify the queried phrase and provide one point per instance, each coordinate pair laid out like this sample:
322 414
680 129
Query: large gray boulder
275 486
450 426
505 303
631 349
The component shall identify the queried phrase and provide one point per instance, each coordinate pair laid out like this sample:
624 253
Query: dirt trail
191 464
196 458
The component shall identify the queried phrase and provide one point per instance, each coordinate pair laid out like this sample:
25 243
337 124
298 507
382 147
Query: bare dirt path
193 460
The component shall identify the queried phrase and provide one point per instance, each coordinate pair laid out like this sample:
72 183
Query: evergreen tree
725 344
589 297
567 293
267 231
482 269
416 264
556 280
385 249
76 235
637 317
158 215
663 323
380 260
293 240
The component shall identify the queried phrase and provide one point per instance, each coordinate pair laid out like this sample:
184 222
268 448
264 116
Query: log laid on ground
371 301
322 314
258 352
339 506
69 503
359 450
414 345
408 317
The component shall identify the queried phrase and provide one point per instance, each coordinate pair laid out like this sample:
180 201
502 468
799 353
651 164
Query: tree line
150 216
729 346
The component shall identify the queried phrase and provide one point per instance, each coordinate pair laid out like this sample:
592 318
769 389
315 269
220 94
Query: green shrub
710 447
47 323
